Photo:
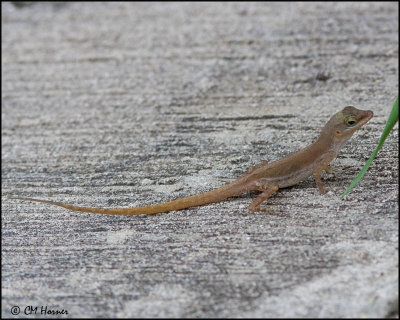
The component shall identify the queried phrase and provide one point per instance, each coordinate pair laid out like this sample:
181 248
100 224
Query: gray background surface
126 104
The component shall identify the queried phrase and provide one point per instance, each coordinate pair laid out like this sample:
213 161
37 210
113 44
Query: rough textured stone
125 104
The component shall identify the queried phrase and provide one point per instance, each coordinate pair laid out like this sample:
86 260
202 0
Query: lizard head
349 120
343 124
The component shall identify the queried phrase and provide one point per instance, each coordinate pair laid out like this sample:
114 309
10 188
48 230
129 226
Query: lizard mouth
366 117
368 114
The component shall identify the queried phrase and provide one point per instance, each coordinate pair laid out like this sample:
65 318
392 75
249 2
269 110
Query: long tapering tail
215 195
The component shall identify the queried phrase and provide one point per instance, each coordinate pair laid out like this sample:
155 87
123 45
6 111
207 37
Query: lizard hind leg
267 191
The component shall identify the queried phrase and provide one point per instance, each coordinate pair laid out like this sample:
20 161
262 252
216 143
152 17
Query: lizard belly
300 173
293 178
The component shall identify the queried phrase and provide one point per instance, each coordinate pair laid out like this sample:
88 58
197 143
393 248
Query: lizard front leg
267 190
324 166
329 169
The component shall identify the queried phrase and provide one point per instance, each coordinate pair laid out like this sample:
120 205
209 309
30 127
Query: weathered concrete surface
136 103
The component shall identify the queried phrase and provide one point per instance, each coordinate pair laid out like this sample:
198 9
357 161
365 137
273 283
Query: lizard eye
351 121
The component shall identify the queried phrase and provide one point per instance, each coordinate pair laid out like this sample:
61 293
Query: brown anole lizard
265 177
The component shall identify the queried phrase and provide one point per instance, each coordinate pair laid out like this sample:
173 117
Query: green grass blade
393 118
